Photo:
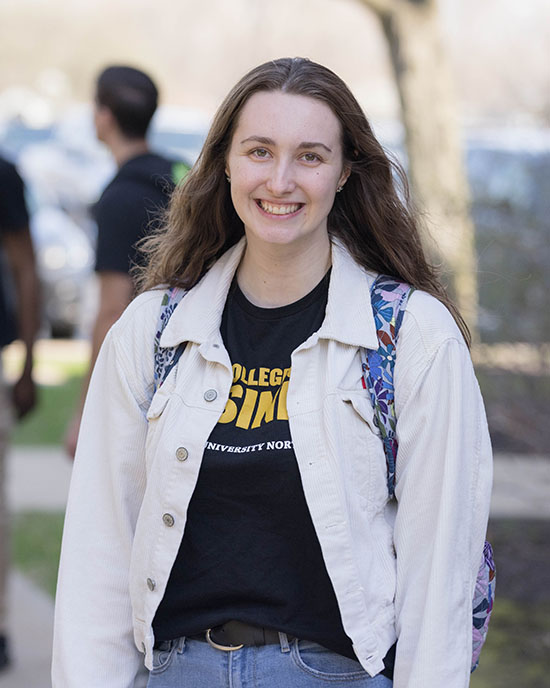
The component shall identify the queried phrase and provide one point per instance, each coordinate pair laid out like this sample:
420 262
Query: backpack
389 298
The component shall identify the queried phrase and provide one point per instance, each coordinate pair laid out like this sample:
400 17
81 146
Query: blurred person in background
231 524
125 102
19 319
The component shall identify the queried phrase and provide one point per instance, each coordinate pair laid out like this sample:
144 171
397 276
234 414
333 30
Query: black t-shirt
13 218
129 207
250 551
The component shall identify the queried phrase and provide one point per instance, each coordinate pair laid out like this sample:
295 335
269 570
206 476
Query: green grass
36 545
48 422
517 651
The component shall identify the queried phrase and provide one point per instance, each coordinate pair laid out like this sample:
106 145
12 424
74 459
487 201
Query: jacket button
168 520
151 584
210 394
181 453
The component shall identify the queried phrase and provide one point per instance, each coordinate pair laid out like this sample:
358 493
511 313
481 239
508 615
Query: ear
345 174
103 117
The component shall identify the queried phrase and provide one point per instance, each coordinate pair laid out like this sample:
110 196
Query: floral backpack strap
389 298
166 357
484 598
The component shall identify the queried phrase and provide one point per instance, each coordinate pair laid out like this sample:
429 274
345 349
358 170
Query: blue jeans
187 663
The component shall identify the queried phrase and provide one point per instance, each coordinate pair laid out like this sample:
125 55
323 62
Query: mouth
279 209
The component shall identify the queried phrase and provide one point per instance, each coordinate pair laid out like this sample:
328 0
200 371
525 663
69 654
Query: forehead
286 116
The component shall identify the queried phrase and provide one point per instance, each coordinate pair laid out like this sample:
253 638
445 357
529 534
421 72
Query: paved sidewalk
38 478
30 621
521 487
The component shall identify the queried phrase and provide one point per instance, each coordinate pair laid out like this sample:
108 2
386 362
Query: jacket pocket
361 404
158 404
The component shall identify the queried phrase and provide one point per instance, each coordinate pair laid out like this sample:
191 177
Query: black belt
233 635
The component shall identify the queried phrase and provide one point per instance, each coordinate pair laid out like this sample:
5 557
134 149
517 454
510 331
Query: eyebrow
270 142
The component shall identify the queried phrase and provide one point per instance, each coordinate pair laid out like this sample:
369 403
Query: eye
311 157
260 153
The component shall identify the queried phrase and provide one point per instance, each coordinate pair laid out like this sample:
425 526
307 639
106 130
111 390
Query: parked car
178 131
64 258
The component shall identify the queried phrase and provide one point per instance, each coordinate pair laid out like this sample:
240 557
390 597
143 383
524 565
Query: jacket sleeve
93 634
443 486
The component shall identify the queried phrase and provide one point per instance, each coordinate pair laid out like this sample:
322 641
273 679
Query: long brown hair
372 216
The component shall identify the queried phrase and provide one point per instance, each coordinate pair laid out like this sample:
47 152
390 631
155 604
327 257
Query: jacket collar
349 318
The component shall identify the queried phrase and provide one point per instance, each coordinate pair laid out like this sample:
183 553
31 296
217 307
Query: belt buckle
217 646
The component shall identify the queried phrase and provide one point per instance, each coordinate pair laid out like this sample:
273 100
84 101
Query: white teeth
279 209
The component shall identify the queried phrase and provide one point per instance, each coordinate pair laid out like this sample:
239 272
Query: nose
281 179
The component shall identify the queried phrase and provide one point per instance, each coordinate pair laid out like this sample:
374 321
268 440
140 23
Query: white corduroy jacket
402 569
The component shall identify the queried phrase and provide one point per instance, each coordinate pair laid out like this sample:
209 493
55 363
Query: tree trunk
436 167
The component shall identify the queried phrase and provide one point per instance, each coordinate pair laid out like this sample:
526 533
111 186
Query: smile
279 209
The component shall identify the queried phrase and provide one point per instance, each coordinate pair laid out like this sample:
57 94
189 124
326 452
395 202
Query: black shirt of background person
131 206
13 218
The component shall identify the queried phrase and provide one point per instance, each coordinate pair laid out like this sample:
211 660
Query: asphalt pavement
38 479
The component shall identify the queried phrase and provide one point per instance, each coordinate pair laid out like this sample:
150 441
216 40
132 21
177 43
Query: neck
272 276
125 149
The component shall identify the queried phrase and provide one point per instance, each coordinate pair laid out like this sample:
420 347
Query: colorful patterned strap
166 357
389 298
484 598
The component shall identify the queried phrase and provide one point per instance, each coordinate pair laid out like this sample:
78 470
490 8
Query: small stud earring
228 178
339 188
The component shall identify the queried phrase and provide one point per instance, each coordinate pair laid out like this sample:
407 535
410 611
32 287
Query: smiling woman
203 221
232 517
283 187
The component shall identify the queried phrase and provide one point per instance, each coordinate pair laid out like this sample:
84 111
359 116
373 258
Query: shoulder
115 189
146 169
13 209
429 338
161 162
111 196
119 204
429 323
140 315
164 173
134 332
10 179
8 170
131 342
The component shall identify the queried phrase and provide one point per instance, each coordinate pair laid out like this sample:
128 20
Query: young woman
234 527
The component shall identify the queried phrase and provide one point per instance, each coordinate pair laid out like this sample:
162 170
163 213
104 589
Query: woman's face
285 162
